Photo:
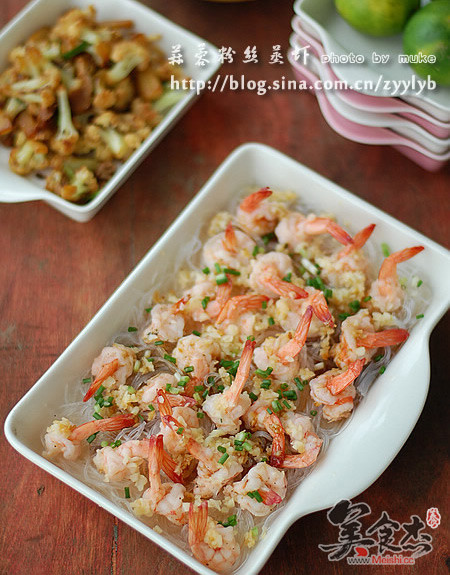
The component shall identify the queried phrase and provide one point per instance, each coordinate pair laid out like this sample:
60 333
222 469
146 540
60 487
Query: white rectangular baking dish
45 12
381 423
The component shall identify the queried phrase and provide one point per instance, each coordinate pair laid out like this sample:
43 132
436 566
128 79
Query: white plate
381 423
341 39
45 12
397 124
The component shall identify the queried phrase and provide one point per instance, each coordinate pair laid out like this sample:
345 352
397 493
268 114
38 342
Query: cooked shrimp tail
274 427
308 457
383 338
294 346
251 202
269 497
320 308
200 453
178 306
106 371
163 402
235 390
114 423
173 423
284 288
318 226
169 466
338 383
198 522
215 307
359 241
230 241
155 458
180 400
388 268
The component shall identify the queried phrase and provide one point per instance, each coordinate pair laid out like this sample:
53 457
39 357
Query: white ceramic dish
358 132
45 12
373 104
380 425
341 39
372 119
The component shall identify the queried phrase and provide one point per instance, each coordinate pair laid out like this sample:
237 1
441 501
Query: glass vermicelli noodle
204 414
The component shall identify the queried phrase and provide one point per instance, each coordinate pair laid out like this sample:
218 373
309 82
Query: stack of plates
363 107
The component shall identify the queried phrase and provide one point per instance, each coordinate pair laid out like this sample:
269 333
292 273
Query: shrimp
231 248
312 448
225 409
258 215
211 543
164 498
358 339
120 463
176 422
295 229
296 425
197 352
281 353
275 428
266 485
335 391
290 310
255 416
116 361
64 438
386 292
149 392
211 475
167 322
241 311
267 273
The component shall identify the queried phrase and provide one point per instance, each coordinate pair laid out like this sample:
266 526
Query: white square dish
39 13
381 423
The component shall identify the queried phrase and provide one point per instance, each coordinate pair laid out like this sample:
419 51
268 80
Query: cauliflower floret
28 157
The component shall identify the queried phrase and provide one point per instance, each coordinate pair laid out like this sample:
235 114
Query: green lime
427 35
377 17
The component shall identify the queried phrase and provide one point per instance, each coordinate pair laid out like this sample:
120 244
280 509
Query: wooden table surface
55 274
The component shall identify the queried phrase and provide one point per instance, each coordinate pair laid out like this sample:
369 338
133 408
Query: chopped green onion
269 411
148 309
221 279
313 412
231 271
127 492
230 522
257 496
98 393
328 293
367 298
316 282
220 387
224 457
238 447
132 328
287 277
168 386
199 388
354 305
246 445
184 380
205 301
200 415
136 366
91 438
343 316
221 448
382 369
420 316
170 358
271 321
188 369
75 51
284 386
250 338
242 435
206 270
263 459
197 397
254 530
205 393
141 417
180 430
131 389
300 384
197 333
290 394
217 268
150 407
252 396
97 416
264 304
211 379
264 372
104 444
276 406
419 283
267 238
287 404
159 342
256 251
251 494
266 384
385 249
378 357
116 443
88 380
